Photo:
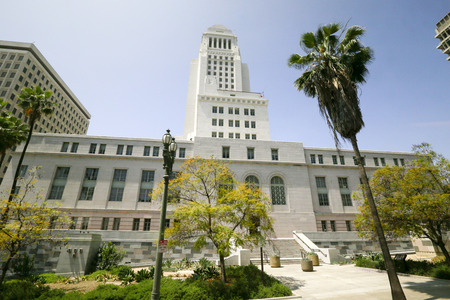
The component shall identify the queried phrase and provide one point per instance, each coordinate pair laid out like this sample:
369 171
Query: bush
142 275
23 265
204 273
441 271
109 256
21 289
49 278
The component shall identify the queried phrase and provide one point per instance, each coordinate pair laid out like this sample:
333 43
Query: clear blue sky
128 62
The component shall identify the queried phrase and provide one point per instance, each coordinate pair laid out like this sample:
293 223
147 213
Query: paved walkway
350 283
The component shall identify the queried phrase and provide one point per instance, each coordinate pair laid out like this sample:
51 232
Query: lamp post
170 147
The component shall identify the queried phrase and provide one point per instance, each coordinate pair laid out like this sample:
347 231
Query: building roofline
30 47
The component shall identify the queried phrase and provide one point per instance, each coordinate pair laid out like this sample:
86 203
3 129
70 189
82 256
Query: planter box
307 265
275 262
314 258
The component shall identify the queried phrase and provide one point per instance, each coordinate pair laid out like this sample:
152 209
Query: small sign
162 246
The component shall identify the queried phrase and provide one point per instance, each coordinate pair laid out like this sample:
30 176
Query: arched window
277 191
252 180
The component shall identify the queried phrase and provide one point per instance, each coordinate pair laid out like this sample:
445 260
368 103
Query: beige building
443 34
23 65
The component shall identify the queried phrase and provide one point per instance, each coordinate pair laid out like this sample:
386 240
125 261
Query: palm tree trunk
12 193
396 288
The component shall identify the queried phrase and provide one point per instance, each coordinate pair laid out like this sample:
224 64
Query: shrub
21 289
50 278
23 265
441 271
109 256
126 274
209 272
104 291
438 259
142 275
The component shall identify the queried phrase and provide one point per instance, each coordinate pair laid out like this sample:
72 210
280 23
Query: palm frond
308 41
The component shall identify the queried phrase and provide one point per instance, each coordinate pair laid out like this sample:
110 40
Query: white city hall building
104 182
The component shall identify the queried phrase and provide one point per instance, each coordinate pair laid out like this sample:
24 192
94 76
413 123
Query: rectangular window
323 199
230 123
85 223
147 181
375 161
320 157
155 151
147 223
89 182
324 225
118 185
23 171
343 184
146 151
253 124
396 161
348 224
92 148
214 109
230 135
136 224
247 136
246 111
247 124
402 161
59 182
274 154
333 225
74 148
251 153
236 123
182 153
220 134
230 110
214 122
236 111
220 109
312 158
252 112
383 162
225 152
238 135
346 199
119 150
102 149
334 158
105 223
253 136
116 224
129 150
342 159
320 182
220 122
213 134
73 223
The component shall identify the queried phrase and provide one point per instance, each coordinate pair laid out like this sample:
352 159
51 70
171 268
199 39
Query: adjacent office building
443 34
23 65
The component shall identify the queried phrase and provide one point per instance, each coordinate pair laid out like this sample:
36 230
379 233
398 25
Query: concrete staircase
288 250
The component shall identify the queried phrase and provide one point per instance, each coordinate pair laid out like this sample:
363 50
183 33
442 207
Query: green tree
12 130
335 65
212 206
109 256
30 221
35 103
412 200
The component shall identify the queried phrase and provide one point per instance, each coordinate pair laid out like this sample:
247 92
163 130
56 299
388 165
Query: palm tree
35 103
334 66
12 131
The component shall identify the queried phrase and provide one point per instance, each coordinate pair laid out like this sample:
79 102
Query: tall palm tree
12 131
35 103
335 63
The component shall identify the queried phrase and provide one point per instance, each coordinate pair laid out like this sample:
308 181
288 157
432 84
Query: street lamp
170 147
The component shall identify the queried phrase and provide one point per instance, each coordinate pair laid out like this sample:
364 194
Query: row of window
114 224
232 135
234 123
250 153
377 161
332 227
322 191
119 151
233 110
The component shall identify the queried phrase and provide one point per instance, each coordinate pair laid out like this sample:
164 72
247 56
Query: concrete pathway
350 283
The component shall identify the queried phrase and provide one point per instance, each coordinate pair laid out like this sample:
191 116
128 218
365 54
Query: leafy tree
109 256
35 103
31 220
412 200
12 130
335 65
212 206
